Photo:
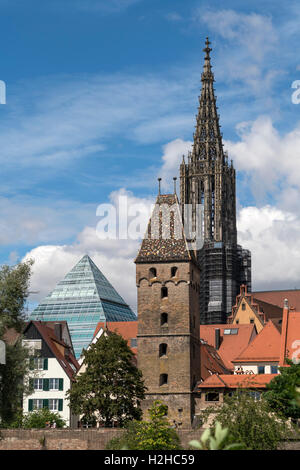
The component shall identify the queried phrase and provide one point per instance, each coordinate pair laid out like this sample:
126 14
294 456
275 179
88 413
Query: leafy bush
38 419
155 434
249 422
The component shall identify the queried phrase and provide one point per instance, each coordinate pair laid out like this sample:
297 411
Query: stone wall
82 439
60 439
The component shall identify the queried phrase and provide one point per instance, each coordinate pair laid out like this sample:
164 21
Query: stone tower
207 179
168 282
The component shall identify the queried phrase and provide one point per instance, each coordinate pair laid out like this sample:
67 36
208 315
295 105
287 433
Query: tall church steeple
207 194
207 178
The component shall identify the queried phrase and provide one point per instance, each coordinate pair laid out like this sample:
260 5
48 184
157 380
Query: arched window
163 379
164 292
152 273
164 319
163 348
173 271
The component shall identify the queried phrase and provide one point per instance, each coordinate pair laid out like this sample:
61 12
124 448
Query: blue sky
101 99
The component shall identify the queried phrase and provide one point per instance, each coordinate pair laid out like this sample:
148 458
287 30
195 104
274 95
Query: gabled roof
264 347
165 238
231 344
276 297
260 308
67 361
236 381
127 329
211 362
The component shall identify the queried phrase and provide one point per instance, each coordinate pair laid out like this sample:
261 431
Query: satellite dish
2 352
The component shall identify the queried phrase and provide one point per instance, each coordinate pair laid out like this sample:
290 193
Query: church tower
207 181
168 283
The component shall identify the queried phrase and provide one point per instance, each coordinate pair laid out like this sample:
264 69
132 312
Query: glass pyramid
83 298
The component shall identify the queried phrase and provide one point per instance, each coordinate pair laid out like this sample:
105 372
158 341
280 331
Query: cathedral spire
207 137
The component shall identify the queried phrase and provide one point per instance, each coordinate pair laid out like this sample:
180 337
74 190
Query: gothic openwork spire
207 137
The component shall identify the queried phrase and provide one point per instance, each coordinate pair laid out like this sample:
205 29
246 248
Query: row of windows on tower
153 272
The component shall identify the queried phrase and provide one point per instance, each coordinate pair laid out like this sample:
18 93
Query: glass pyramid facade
83 298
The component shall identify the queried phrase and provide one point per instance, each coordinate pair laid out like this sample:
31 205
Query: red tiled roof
127 329
276 297
211 362
231 345
236 381
264 347
290 342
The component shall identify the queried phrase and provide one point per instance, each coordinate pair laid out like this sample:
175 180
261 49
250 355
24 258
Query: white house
53 366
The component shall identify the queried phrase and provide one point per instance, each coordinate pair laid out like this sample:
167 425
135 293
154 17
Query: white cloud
273 236
271 160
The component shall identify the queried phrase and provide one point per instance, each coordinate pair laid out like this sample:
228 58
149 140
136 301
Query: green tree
154 434
111 387
281 391
38 419
249 422
14 291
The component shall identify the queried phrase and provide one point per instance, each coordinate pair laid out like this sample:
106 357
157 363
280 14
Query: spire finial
159 180
207 49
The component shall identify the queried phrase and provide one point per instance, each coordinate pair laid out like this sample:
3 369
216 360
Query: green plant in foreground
216 441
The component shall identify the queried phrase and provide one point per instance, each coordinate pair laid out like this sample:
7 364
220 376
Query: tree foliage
155 434
281 391
249 422
110 389
38 419
14 291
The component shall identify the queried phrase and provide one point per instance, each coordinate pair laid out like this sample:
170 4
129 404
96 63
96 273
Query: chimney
217 338
58 331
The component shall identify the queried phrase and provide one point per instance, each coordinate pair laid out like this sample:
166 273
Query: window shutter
61 384
46 363
46 384
31 384
60 404
31 363
45 403
30 405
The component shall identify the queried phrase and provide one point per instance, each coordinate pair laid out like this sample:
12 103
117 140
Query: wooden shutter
46 363
61 384
45 403
46 384
30 405
60 404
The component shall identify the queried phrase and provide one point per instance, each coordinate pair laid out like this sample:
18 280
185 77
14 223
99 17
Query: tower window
174 271
163 348
152 273
243 306
164 292
164 319
163 379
